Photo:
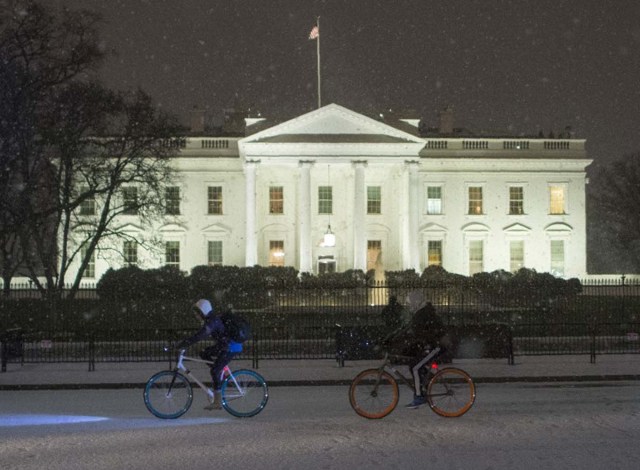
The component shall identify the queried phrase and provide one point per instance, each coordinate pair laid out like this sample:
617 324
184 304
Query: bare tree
614 196
66 141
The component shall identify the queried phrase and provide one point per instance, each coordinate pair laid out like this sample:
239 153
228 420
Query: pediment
333 124
433 227
558 227
216 229
173 228
517 228
475 227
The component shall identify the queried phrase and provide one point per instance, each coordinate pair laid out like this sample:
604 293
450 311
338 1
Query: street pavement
320 371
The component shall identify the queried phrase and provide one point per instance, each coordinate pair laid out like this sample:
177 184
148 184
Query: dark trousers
220 355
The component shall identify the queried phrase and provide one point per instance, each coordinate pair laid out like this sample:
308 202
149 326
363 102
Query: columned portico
411 250
359 211
304 217
251 247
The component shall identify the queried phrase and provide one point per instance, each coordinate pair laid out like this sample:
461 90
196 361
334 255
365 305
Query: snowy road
511 426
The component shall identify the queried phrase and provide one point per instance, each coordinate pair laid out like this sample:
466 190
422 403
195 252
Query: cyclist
221 352
423 339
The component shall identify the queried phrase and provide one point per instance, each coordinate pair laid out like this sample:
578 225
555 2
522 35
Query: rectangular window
374 249
434 253
130 201
475 200
172 254
276 200
276 253
516 200
434 200
214 200
325 199
214 253
326 264
556 200
130 253
90 270
374 200
476 257
88 205
172 200
516 255
557 257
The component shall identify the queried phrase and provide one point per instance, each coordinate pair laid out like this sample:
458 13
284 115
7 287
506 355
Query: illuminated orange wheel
451 392
373 394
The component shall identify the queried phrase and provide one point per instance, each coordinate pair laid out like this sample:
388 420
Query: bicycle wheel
244 393
451 392
168 394
373 393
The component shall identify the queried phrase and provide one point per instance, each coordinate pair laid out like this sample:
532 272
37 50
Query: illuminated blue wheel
245 393
168 394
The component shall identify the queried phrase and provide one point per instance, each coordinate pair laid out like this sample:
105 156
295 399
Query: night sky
505 66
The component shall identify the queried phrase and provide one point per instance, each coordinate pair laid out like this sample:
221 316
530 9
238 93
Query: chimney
197 120
446 121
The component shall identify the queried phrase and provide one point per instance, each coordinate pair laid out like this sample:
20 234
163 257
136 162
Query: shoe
418 401
216 404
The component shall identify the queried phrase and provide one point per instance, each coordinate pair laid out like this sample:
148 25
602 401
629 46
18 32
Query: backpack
237 327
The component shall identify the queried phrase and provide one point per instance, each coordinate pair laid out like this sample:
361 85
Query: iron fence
316 341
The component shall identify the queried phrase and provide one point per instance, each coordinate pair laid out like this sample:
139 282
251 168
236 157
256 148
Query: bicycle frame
388 366
187 372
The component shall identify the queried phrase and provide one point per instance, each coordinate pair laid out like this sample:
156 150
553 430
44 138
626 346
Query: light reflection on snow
37 420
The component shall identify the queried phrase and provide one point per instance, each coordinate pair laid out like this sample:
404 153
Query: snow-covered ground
511 426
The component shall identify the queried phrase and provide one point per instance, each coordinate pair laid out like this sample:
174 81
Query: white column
359 212
251 242
304 217
411 250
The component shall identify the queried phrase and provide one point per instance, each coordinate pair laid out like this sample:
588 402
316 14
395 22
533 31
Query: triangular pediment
332 124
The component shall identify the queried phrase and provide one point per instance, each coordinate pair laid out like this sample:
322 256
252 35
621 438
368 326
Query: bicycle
374 393
168 394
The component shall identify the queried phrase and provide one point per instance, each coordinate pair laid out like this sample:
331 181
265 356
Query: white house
391 200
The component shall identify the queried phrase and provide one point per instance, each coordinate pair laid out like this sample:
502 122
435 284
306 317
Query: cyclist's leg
415 367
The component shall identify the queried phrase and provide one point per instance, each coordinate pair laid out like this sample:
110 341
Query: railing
319 340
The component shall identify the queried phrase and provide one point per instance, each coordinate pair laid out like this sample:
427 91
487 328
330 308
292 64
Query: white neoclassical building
391 199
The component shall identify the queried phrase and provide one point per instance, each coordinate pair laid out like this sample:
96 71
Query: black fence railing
314 341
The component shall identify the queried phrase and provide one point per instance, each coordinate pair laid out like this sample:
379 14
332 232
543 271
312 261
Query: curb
322 383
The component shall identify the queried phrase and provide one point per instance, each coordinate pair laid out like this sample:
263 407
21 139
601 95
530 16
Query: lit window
276 200
475 200
214 200
276 253
214 253
130 201
326 264
172 200
88 205
434 253
476 257
516 255
90 270
130 253
172 254
374 249
434 200
557 257
374 200
516 200
556 200
325 200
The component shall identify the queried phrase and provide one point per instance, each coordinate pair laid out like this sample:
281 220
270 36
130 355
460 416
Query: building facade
333 190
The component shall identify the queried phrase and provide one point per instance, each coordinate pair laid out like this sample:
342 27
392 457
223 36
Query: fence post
92 353
254 355
3 354
592 328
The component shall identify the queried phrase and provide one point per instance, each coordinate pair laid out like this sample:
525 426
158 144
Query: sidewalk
321 371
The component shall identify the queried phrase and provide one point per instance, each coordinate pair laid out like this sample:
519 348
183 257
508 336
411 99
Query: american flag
315 32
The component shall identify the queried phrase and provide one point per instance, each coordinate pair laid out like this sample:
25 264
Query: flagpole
318 48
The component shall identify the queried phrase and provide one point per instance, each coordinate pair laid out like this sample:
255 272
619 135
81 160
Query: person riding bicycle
423 339
221 352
